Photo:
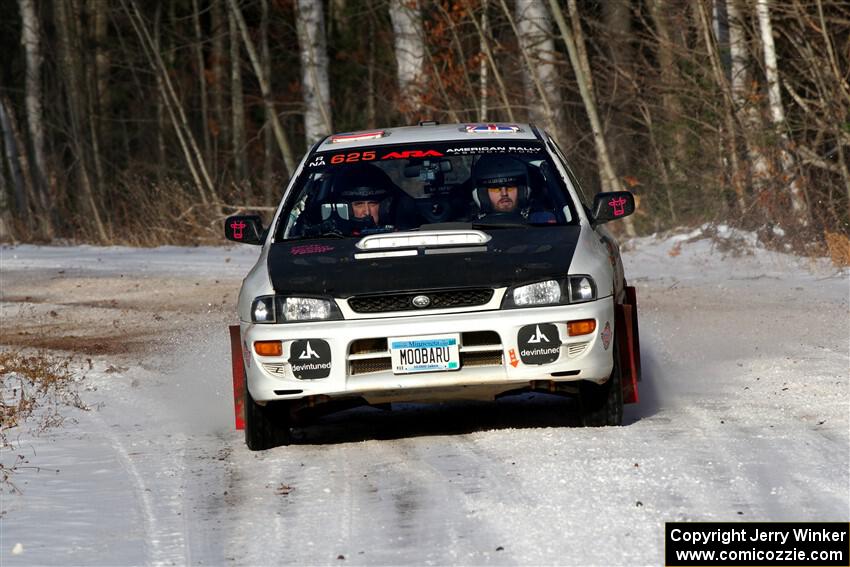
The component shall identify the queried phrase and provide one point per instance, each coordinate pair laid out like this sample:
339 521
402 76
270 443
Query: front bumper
489 350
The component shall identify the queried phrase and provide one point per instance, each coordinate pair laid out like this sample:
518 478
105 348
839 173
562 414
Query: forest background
148 122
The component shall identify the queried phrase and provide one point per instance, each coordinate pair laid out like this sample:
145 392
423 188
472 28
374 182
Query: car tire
601 405
266 426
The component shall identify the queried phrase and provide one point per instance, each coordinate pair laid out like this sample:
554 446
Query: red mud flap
629 340
238 376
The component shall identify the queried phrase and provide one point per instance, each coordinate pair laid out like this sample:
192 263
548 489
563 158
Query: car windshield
353 191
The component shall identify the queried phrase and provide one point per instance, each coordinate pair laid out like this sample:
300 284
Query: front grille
445 299
486 358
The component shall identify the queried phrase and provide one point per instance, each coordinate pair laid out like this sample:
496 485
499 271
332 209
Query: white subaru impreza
430 263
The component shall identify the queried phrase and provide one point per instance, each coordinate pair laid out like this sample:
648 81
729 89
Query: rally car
430 263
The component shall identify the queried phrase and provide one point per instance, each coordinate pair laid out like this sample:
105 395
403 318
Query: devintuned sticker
606 335
539 344
310 359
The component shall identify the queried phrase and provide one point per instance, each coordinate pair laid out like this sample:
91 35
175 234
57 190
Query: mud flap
629 339
238 376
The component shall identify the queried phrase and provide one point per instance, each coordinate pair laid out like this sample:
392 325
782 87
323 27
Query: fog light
268 348
581 327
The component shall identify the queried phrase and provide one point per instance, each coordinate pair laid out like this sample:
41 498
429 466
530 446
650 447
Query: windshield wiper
499 225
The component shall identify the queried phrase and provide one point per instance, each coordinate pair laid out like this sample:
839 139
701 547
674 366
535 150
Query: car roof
429 132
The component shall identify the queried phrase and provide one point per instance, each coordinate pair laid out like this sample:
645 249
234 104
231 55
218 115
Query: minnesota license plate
431 353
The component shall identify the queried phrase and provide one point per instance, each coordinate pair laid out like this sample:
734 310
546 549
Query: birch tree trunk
31 40
729 147
237 106
534 32
574 41
747 113
777 114
310 23
409 43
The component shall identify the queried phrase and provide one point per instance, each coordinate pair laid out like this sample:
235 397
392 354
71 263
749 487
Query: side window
585 200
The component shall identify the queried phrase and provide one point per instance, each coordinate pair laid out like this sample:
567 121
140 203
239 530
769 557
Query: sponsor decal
412 154
352 157
539 344
619 206
512 355
318 161
237 226
606 335
310 359
310 249
493 149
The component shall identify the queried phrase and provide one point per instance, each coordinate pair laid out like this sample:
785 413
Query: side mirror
245 229
612 206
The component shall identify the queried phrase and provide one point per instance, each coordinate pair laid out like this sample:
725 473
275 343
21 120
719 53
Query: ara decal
606 335
412 154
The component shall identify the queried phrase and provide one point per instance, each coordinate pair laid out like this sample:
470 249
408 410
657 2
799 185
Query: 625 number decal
352 157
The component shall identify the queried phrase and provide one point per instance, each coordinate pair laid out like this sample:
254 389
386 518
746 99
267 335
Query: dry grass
839 248
35 392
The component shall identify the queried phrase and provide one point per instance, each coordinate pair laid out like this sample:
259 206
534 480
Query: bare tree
283 144
67 31
574 40
13 158
409 38
237 105
200 63
31 40
777 114
310 23
747 112
533 29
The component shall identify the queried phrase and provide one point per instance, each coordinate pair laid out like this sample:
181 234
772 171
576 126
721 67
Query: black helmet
499 171
364 182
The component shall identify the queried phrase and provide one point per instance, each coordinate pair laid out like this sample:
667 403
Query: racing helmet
365 182
499 171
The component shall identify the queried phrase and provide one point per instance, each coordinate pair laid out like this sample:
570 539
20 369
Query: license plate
432 353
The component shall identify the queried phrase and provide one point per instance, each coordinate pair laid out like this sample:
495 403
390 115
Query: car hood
512 256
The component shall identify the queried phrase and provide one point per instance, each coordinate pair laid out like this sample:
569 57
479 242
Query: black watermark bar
762 544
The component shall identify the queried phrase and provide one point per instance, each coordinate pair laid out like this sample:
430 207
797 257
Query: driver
501 186
369 194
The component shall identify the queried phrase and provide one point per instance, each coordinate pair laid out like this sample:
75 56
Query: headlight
281 309
540 293
305 309
571 289
582 288
262 310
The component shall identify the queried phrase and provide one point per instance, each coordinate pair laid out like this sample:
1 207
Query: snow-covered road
743 416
